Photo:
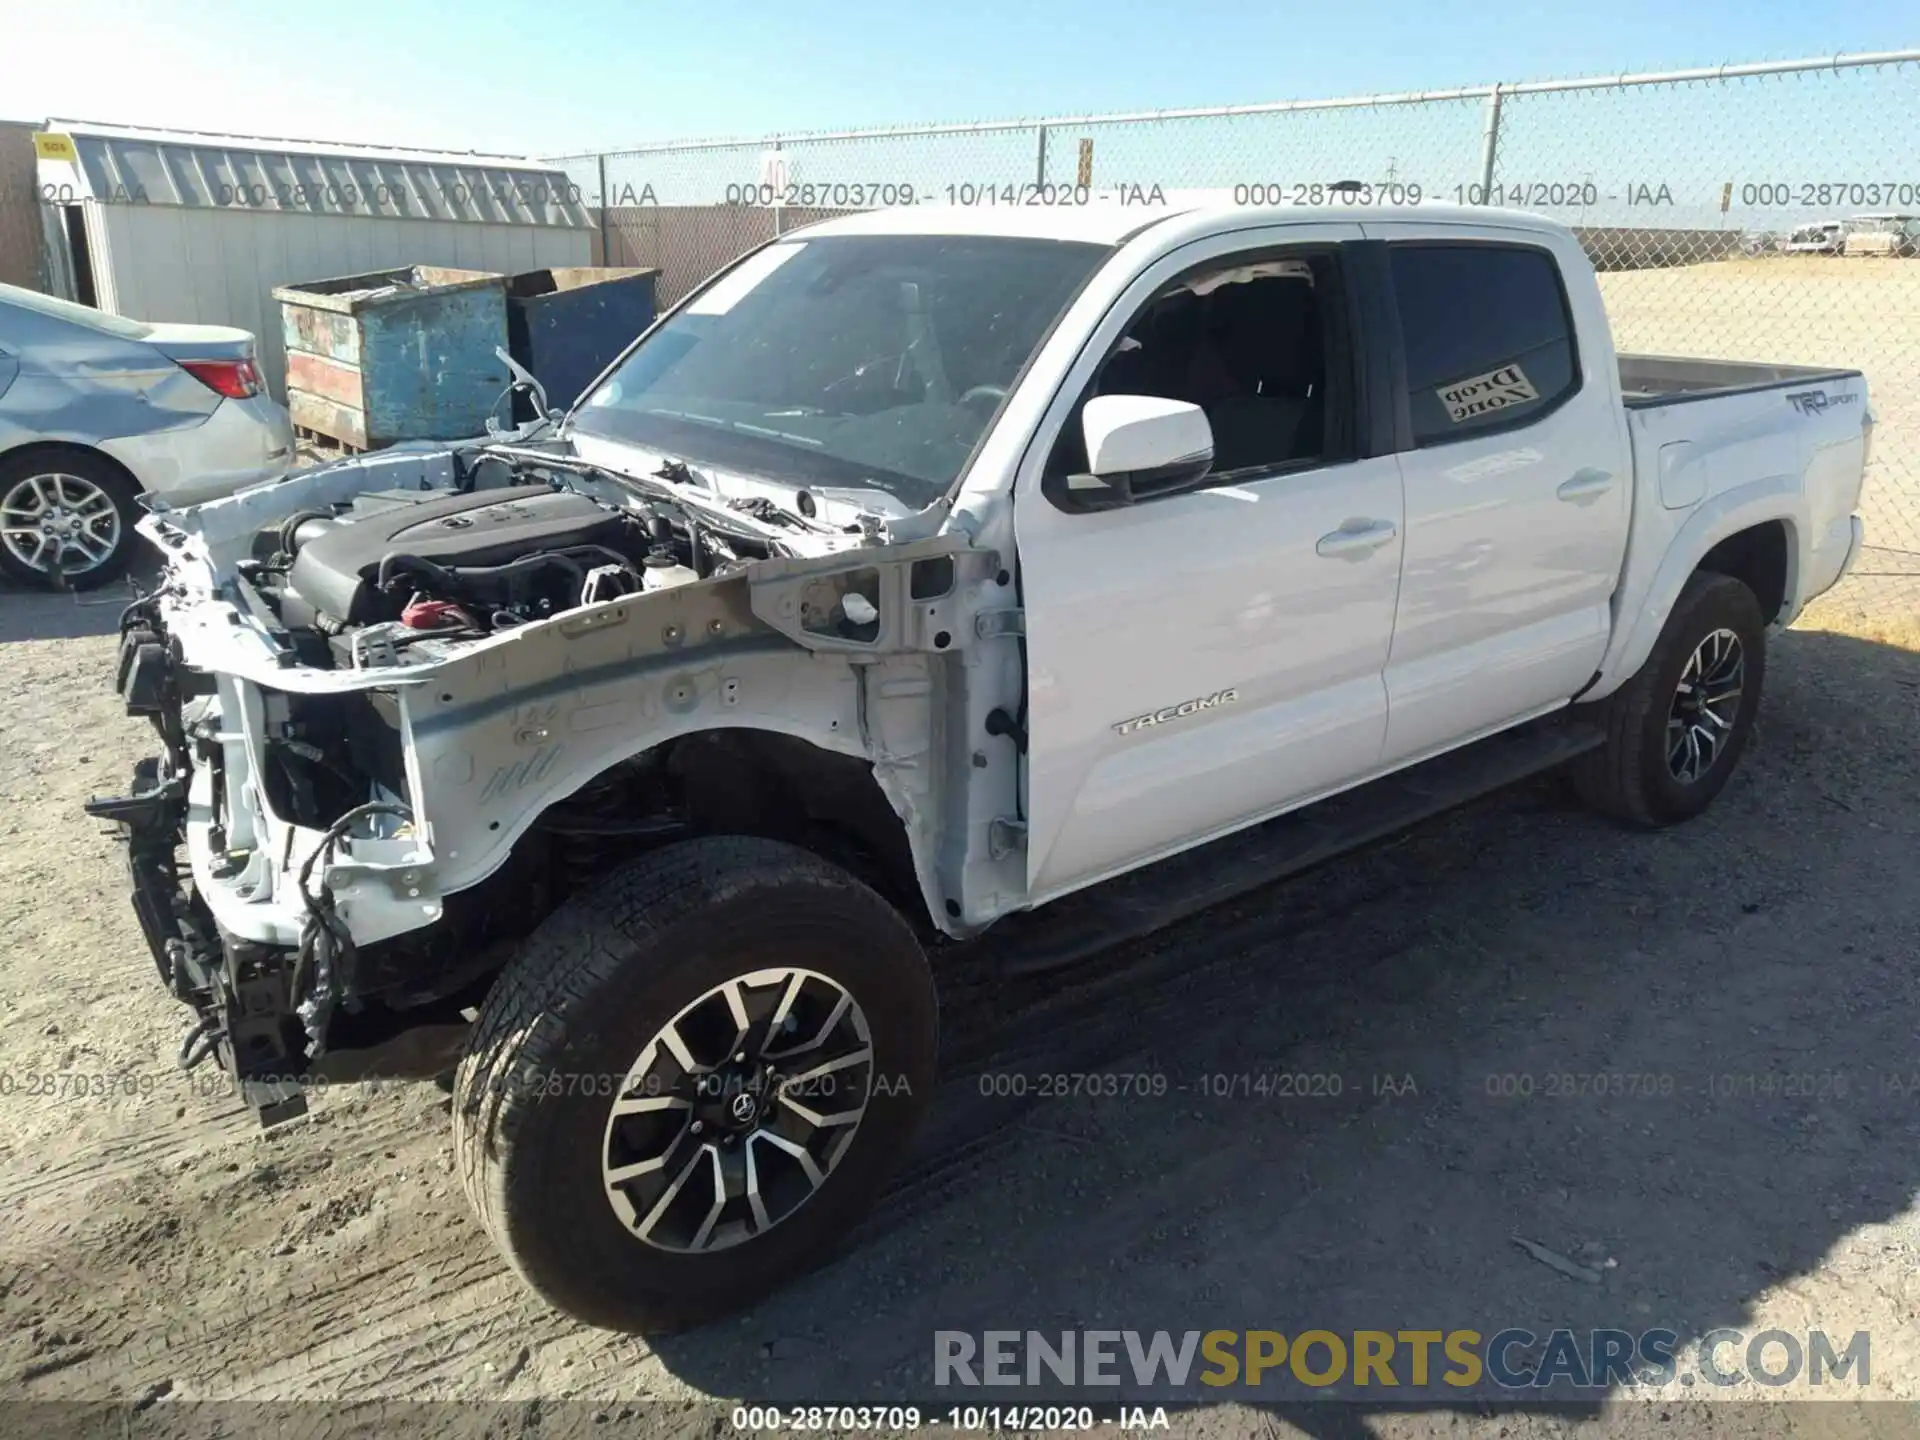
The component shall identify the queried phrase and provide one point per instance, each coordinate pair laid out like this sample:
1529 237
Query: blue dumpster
404 354
567 325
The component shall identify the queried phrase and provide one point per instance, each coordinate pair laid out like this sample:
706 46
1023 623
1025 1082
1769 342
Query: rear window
1488 340
73 314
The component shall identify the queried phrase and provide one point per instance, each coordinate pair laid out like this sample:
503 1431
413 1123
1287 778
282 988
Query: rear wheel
1675 731
691 1081
66 520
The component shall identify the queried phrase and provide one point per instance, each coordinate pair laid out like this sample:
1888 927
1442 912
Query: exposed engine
365 582
515 553
394 578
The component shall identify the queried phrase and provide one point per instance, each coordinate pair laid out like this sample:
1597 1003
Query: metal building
185 226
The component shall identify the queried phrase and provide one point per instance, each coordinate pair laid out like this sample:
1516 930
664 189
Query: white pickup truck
924 567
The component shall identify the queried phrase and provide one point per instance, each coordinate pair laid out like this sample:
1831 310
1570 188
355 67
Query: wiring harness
326 953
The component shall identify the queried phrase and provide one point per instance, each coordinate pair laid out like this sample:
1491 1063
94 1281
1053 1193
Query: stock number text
1762 194
1275 192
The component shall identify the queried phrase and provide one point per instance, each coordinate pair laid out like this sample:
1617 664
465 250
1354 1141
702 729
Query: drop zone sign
1495 390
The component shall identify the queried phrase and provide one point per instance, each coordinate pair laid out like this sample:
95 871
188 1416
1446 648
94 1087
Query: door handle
1356 539
1585 485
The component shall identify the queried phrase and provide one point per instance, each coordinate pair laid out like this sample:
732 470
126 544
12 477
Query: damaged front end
409 702
263 993
242 993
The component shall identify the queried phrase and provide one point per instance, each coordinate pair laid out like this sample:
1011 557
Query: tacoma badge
1177 712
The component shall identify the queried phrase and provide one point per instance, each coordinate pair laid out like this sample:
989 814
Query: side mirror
1139 447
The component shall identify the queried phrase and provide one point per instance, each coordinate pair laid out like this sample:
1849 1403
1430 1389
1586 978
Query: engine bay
409 575
511 553
395 576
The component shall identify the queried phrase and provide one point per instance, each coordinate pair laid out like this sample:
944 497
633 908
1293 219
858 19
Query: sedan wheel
66 523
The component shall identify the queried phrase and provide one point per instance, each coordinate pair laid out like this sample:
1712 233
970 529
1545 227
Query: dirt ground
159 1250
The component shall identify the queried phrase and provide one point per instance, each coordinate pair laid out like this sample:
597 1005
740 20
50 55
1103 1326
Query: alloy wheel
67 517
1705 706
738 1110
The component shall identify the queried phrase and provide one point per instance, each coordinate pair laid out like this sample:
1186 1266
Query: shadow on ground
1685 1061
30 614
39 615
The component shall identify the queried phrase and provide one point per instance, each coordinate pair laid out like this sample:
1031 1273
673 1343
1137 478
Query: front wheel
1676 729
691 1081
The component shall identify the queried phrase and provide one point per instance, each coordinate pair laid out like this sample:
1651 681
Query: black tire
104 476
593 985
1630 777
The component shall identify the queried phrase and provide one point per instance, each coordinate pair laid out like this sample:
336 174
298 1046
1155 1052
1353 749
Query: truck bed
1648 380
1705 432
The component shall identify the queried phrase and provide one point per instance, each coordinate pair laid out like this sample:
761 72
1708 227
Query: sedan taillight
235 379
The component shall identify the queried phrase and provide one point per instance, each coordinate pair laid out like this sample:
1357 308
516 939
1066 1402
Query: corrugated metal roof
125 165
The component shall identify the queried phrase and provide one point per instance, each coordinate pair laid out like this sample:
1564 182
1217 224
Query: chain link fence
1763 212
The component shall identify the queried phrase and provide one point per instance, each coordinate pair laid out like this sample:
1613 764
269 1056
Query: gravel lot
160 1250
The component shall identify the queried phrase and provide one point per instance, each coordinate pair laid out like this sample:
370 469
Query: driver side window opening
1259 344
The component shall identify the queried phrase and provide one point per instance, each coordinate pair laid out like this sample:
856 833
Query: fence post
1040 159
779 183
1490 146
606 249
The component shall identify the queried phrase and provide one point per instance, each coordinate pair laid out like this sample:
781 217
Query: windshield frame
565 428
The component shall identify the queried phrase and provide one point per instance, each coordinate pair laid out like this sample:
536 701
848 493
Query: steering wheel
995 393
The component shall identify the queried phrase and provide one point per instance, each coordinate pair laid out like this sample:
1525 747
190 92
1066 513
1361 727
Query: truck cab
1421 483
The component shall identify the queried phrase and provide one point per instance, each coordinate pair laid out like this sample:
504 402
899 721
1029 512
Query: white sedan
97 410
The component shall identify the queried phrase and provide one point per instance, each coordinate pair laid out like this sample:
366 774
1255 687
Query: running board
1079 926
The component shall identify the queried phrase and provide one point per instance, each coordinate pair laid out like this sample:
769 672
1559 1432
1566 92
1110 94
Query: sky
546 79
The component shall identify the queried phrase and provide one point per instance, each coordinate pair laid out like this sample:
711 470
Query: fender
485 759
1643 602
483 781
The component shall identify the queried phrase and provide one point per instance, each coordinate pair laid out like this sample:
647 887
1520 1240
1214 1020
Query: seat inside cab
1244 344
